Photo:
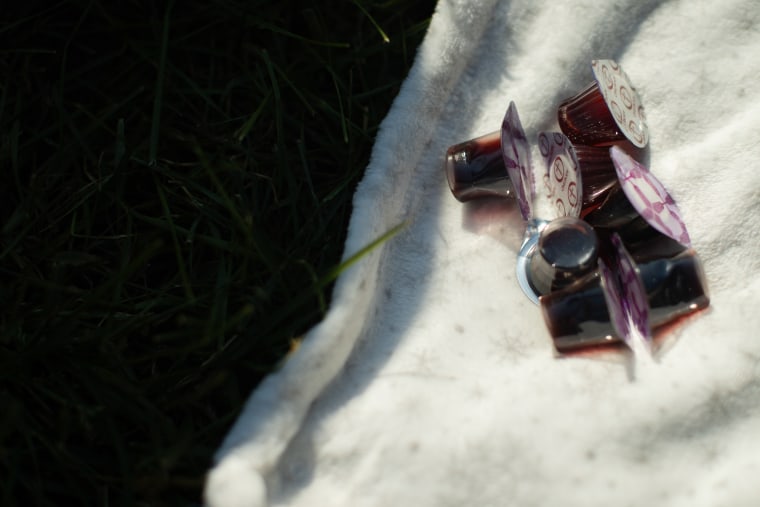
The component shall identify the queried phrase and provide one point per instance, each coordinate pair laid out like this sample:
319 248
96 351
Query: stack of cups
613 261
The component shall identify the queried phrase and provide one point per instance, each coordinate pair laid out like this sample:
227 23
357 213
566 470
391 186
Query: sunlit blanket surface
432 381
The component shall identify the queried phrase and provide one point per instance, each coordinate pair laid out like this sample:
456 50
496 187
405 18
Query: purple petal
516 152
622 100
649 197
611 290
562 179
626 297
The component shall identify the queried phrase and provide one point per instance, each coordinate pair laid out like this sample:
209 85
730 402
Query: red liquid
585 119
577 315
598 174
612 210
475 169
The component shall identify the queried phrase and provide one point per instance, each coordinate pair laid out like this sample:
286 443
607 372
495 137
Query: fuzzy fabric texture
432 380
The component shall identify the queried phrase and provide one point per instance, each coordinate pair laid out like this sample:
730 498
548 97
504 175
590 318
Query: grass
175 185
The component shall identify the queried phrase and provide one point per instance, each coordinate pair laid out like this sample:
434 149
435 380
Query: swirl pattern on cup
516 152
622 100
562 178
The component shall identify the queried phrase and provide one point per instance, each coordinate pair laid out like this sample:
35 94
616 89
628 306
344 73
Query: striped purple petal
649 197
516 152
626 297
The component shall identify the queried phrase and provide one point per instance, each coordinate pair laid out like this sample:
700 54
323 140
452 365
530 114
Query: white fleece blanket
432 380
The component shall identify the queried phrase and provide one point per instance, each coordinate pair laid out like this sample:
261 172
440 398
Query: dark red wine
613 211
607 111
475 169
598 174
586 119
577 315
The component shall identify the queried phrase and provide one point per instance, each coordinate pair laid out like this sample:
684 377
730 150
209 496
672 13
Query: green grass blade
353 259
382 33
186 285
155 128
